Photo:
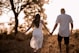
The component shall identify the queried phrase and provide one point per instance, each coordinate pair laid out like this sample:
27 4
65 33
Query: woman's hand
50 33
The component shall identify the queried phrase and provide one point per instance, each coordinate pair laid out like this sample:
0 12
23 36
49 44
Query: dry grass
20 44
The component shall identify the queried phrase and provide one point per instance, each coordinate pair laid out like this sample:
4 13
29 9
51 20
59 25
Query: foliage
30 8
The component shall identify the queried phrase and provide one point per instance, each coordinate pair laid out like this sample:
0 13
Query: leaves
30 8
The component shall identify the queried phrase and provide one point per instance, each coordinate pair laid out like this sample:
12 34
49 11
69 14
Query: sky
53 10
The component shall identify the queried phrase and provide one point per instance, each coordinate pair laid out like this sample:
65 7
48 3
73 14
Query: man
64 20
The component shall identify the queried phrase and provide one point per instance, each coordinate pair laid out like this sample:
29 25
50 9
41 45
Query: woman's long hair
36 21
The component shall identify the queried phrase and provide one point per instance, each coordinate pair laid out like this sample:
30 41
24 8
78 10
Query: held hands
50 33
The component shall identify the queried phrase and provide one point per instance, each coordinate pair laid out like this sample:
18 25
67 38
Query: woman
37 38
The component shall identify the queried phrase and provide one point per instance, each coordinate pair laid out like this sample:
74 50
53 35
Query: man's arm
55 26
71 27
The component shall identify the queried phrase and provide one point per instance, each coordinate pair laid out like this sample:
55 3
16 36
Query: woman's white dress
37 37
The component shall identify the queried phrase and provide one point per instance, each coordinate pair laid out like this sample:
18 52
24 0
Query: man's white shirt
64 21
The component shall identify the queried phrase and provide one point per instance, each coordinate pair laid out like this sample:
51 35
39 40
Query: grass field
20 43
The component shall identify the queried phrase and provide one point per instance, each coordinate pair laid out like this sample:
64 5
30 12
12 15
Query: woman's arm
55 26
45 26
29 27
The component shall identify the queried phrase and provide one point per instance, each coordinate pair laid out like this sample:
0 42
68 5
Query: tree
18 5
34 7
16 15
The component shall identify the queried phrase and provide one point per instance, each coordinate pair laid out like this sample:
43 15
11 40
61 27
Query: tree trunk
16 23
16 17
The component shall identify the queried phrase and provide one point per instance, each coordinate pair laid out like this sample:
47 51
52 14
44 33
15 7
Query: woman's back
39 27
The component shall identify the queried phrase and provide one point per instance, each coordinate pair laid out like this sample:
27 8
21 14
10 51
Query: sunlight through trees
29 9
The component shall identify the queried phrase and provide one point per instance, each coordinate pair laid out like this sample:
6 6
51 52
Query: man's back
64 21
